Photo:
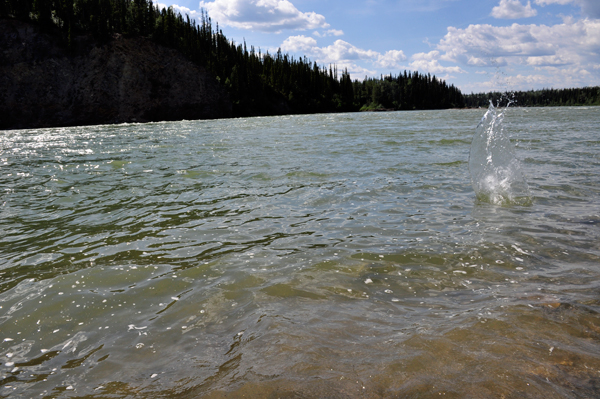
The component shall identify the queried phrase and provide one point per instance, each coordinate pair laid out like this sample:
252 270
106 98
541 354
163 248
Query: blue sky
477 45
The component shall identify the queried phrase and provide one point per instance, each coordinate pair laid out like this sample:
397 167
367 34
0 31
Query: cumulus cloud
299 43
338 51
516 82
433 66
480 44
391 59
563 79
589 8
429 62
513 9
546 2
329 32
549 60
555 55
182 10
432 55
263 15
343 54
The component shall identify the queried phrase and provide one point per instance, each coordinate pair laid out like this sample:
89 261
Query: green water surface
337 255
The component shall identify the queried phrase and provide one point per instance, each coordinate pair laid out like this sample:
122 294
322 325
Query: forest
262 83
405 92
537 98
256 81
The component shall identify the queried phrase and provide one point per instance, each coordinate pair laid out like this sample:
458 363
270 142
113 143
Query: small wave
455 163
449 142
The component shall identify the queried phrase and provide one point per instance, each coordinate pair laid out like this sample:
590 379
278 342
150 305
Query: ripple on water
314 256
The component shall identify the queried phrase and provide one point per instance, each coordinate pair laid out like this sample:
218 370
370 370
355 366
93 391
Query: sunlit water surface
341 255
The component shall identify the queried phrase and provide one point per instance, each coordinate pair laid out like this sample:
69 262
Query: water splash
496 173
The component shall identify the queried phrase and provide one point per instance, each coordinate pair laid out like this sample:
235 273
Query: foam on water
496 173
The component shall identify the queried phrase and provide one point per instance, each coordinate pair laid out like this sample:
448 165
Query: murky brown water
309 256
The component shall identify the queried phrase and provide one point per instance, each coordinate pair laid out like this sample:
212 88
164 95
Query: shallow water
340 255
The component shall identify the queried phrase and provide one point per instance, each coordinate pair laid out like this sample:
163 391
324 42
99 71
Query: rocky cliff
42 84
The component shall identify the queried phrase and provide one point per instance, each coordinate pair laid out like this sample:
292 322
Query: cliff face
124 80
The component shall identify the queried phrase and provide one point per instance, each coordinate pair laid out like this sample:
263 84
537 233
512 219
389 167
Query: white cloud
344 51
555 56
432 55
532 81
433 66
299 43
548 60
330 32
576 41
263 15
355 71
518 81
391 59
182 10
546 2
344 55
429 62
589 8
513 9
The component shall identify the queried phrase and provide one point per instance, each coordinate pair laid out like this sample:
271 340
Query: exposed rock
42 84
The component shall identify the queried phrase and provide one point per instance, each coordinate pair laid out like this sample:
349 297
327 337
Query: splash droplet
496 173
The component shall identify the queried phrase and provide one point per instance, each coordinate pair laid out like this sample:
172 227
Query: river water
338 255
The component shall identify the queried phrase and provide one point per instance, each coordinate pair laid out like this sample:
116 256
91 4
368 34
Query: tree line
537 98
406 91
258 83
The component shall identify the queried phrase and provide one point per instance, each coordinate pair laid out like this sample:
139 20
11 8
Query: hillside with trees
42 84
257 83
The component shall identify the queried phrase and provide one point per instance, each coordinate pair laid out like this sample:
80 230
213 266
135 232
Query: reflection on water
335 255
